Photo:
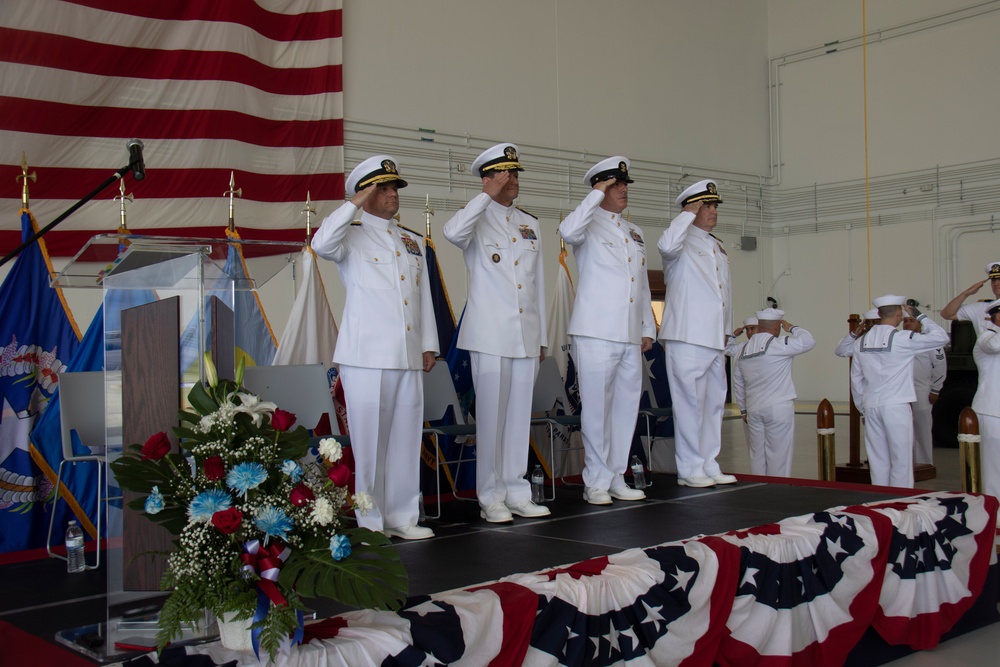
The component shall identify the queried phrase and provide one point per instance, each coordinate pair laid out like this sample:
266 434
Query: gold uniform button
402 277
407 327
630 259
406 302
513 239
520 310
397 253
644 261
519 286
515 262
631 300
626 240
633 279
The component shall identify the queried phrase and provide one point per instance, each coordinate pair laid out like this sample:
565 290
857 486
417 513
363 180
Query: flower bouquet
257 525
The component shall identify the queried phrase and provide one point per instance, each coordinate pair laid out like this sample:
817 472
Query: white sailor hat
993 270
612 168
992 307
871 314
502 157
706 191
750 322
888 300
376 169
770 314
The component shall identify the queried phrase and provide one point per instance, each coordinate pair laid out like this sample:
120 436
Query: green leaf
200 400
372 577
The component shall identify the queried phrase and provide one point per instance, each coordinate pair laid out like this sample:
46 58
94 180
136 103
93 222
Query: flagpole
232 192
308 211
68 212
428 212
25 175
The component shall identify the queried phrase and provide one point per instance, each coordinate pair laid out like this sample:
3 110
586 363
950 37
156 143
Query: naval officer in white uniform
612 325
929 371
882 385
974 312
387 336
987 400
697 318
503 328
763 390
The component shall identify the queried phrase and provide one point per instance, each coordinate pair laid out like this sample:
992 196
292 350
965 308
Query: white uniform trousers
385 412
923 444
989 453
503 415
610 378
772 433
697 377
889 444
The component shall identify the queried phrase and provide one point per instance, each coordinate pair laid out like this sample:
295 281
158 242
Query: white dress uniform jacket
505 311
763 371
882 372
975 313
388 319
698 306
612 299
987 405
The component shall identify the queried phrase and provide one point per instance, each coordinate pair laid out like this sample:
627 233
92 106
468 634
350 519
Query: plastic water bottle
74 548
537 485
638 475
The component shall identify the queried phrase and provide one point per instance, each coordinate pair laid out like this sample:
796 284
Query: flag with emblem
444 316
37 336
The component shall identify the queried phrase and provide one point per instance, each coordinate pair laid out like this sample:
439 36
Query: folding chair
302 389
81 411
547 399
439 396
653 415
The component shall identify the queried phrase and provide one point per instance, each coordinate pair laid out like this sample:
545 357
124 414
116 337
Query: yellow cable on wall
864 85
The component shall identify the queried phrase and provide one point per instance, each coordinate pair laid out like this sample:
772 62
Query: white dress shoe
723 478
698 482
496 513
529 509
596 496
626 493
410 532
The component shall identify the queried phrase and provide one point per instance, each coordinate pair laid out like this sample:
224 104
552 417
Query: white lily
253 406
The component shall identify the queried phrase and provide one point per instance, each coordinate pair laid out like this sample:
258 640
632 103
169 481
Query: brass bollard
826 442
968 452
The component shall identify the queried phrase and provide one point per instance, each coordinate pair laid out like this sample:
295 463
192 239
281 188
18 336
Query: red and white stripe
249 87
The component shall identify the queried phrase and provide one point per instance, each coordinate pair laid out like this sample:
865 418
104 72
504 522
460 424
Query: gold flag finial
562 241
309 212
232 192
25 175
428 212
122 227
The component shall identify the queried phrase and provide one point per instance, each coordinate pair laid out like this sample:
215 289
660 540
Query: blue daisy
273 522
340 547
292 469
207 503
154 501
245 476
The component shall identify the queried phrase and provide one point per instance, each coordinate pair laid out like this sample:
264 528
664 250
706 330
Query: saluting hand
605 184
363 194
495 185
975 288
693 207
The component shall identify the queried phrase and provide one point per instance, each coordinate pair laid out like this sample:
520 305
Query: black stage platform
41 598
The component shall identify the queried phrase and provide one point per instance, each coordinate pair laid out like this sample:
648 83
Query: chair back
81 409
440 394
301 389
549 392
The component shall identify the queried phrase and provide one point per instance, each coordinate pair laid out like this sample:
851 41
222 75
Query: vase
235 633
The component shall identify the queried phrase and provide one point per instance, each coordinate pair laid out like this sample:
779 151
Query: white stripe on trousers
385 411
697 378
610 378
503 418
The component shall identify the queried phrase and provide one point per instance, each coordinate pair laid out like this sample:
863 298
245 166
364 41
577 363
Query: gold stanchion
968 452
826 443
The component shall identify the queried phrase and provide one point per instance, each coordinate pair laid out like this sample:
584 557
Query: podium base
129 638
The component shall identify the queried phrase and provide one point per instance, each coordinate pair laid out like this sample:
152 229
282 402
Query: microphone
135 161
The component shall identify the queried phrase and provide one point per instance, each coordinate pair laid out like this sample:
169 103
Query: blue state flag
79 493
37 334
255 341
444 316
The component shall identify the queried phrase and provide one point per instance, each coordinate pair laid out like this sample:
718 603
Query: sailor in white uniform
929 371
987 400
733 348
612 325
882 385
697 320
845 348
763 390
387 336
503 328
957 309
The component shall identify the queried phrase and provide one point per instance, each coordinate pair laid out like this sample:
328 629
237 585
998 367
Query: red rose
228 521
156 447
301 495
339 474
282 420
214 468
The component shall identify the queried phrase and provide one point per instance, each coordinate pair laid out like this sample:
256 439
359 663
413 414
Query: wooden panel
150 401
223 336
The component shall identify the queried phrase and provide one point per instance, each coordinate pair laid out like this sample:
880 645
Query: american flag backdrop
246 86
